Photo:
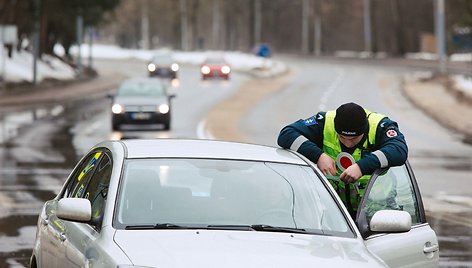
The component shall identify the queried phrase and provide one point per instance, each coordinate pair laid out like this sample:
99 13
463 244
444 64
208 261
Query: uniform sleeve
389 150
304 136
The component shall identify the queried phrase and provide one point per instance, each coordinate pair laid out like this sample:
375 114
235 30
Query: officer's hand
351 174
326 165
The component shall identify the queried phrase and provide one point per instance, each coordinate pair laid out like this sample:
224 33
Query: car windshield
141 89
163 59
204 193
215 61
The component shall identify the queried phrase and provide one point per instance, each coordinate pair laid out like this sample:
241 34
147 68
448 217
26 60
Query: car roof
200 148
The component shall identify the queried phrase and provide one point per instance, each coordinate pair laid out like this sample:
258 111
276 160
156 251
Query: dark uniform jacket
389 141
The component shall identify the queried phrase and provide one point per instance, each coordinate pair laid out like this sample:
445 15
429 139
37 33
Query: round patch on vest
392 133
344 160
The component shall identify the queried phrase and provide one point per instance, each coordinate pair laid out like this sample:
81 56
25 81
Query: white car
201 203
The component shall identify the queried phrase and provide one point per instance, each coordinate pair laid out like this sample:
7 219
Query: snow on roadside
463 83
19 68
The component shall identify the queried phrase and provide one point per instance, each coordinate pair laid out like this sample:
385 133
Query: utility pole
79 32
37 7
317 35
305 29
183 25
216 24
90 31
367 27
145 24
257 21
440 35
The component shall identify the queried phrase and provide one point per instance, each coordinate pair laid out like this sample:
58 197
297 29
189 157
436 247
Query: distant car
141 101
205 203
163 65
215 67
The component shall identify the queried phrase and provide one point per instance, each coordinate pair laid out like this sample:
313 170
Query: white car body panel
406 249
209 248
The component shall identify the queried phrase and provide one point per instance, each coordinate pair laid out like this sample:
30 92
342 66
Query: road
41 145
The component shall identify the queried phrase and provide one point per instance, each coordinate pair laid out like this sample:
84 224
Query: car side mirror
390 221
74 209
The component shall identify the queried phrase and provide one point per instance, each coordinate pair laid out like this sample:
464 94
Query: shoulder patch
310 121
391 133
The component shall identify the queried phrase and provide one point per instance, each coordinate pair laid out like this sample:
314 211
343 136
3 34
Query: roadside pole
80 26
36 40
2 57
440 35
367 27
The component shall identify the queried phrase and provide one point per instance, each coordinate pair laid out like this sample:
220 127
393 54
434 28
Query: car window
81 175
163 59
215 61
224 192
141 89
97 189
393 189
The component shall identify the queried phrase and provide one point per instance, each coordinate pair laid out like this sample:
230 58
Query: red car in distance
215 67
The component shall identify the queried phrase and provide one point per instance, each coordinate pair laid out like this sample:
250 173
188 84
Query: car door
54 241
396 188
80 236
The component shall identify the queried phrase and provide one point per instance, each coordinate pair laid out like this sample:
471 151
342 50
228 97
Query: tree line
55 20
294 26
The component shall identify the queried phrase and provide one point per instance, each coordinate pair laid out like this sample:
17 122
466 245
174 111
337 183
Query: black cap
350 120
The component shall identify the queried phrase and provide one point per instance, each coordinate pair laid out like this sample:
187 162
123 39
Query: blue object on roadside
263 50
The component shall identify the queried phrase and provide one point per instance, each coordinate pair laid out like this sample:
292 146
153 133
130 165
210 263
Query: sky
19 68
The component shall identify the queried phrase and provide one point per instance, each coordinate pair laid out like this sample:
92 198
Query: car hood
146 100
209 248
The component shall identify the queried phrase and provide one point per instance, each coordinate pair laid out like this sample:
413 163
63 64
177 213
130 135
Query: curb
61 92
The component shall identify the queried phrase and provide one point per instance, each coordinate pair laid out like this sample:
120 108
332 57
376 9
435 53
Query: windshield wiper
230 227
257 227
156 226
269 228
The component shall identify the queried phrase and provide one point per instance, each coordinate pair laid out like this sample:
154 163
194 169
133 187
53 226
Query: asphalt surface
436 96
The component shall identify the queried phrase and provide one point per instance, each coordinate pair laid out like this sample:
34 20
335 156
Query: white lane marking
202 132
332 87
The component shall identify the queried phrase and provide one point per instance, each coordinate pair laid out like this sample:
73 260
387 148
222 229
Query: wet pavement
455 239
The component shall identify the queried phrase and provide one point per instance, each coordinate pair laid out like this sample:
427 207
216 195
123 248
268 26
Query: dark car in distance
215 67
163 65
141 101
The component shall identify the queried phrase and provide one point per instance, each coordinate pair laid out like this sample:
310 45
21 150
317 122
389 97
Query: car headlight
117 108
205 69
174 67
225 69
151 67
163 108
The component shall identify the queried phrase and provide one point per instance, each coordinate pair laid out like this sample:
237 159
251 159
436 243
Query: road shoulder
438 98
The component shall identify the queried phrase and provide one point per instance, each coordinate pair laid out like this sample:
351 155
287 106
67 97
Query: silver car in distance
175 203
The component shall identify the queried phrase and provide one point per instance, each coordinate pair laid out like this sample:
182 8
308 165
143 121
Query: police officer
371 138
